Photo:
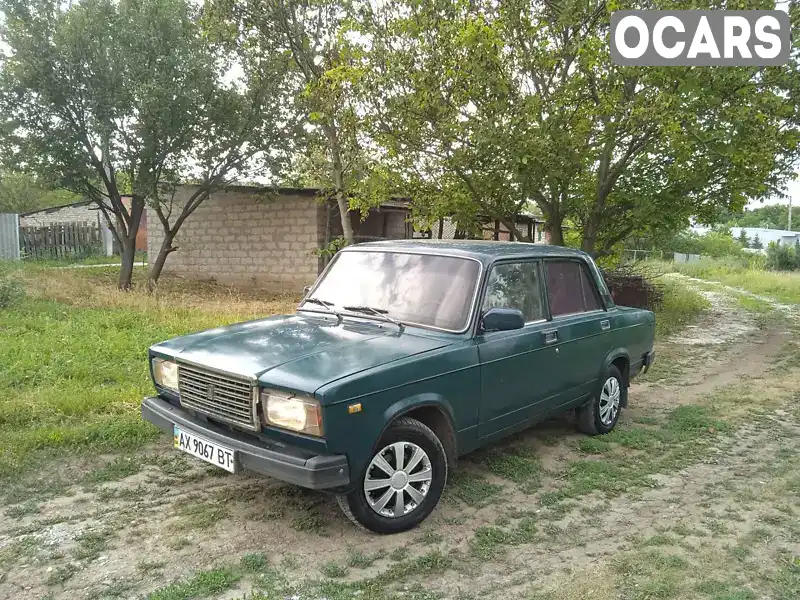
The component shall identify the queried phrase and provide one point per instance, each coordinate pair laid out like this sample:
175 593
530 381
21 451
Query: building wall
244 237
765 236
83 213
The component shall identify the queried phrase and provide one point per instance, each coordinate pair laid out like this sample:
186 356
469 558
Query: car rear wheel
601 413
403 481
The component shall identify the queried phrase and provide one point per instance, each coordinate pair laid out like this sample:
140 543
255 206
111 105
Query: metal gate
9 236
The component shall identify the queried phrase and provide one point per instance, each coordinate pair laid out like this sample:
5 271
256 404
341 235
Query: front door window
516 285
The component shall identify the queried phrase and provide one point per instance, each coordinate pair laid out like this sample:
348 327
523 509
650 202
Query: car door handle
550 336
605 325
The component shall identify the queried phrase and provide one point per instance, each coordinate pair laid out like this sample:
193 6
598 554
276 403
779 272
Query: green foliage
772 216
744 241
717 243
324 72
750 276
331 248
783 258
756 244
20 193
679 307
102 98
614 150
11 291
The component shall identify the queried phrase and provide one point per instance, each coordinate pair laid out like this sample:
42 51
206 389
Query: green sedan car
403 356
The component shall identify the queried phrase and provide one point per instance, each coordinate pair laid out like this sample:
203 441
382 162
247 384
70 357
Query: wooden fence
63 240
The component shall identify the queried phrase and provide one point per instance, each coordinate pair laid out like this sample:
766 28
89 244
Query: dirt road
695 495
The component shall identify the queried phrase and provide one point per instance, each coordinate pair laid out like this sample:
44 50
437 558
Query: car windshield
417 289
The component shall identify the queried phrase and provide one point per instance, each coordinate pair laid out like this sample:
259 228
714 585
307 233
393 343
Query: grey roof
484 250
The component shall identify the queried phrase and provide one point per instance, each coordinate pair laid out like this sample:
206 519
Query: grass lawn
783 286
93 259
73 366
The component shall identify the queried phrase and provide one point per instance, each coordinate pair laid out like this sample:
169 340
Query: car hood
297 352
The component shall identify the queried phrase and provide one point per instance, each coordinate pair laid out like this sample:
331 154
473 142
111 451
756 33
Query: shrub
11 292
716 244
781 258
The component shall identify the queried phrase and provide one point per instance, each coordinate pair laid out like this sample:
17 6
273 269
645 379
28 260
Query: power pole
790 214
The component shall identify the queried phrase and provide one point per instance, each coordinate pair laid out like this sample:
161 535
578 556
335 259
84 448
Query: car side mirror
502 319
306 290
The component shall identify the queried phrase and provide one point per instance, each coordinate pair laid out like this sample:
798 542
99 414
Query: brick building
265 236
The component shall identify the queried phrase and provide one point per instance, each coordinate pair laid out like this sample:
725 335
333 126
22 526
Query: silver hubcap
609 401
398 479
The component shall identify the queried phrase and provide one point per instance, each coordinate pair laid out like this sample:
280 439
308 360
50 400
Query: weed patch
202 584
472 489
518 464
489 541
117 469
680 307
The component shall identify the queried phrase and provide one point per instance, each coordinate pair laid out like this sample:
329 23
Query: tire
426 478
594 417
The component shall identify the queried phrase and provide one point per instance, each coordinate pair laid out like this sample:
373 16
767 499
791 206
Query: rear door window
570 288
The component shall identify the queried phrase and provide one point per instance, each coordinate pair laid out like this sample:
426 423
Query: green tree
797 254
325 67
756 244
486 106
780 257
20 193
743 239
772 216
98 93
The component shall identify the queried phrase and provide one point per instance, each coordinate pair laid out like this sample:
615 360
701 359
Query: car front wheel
601 413
403 481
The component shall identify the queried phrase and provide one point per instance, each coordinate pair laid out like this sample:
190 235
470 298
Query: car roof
484 250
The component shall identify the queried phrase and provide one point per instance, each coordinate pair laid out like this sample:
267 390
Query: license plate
202 448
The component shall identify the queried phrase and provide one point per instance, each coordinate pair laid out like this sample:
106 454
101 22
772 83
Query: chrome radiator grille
221 397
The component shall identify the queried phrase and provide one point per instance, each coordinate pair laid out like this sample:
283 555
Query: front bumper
287 463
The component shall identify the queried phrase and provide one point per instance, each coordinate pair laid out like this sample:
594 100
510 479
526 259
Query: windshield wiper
325 304
381 313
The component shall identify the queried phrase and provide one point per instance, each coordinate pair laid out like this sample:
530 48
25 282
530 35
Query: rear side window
516 285
570 289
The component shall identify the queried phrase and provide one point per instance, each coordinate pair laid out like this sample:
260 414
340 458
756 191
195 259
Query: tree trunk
158 264
344 212
553 222
128 254
337 173
589 240
591 228
555 232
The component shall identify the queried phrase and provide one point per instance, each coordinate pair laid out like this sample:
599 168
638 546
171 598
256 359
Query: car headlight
298 414
165 373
